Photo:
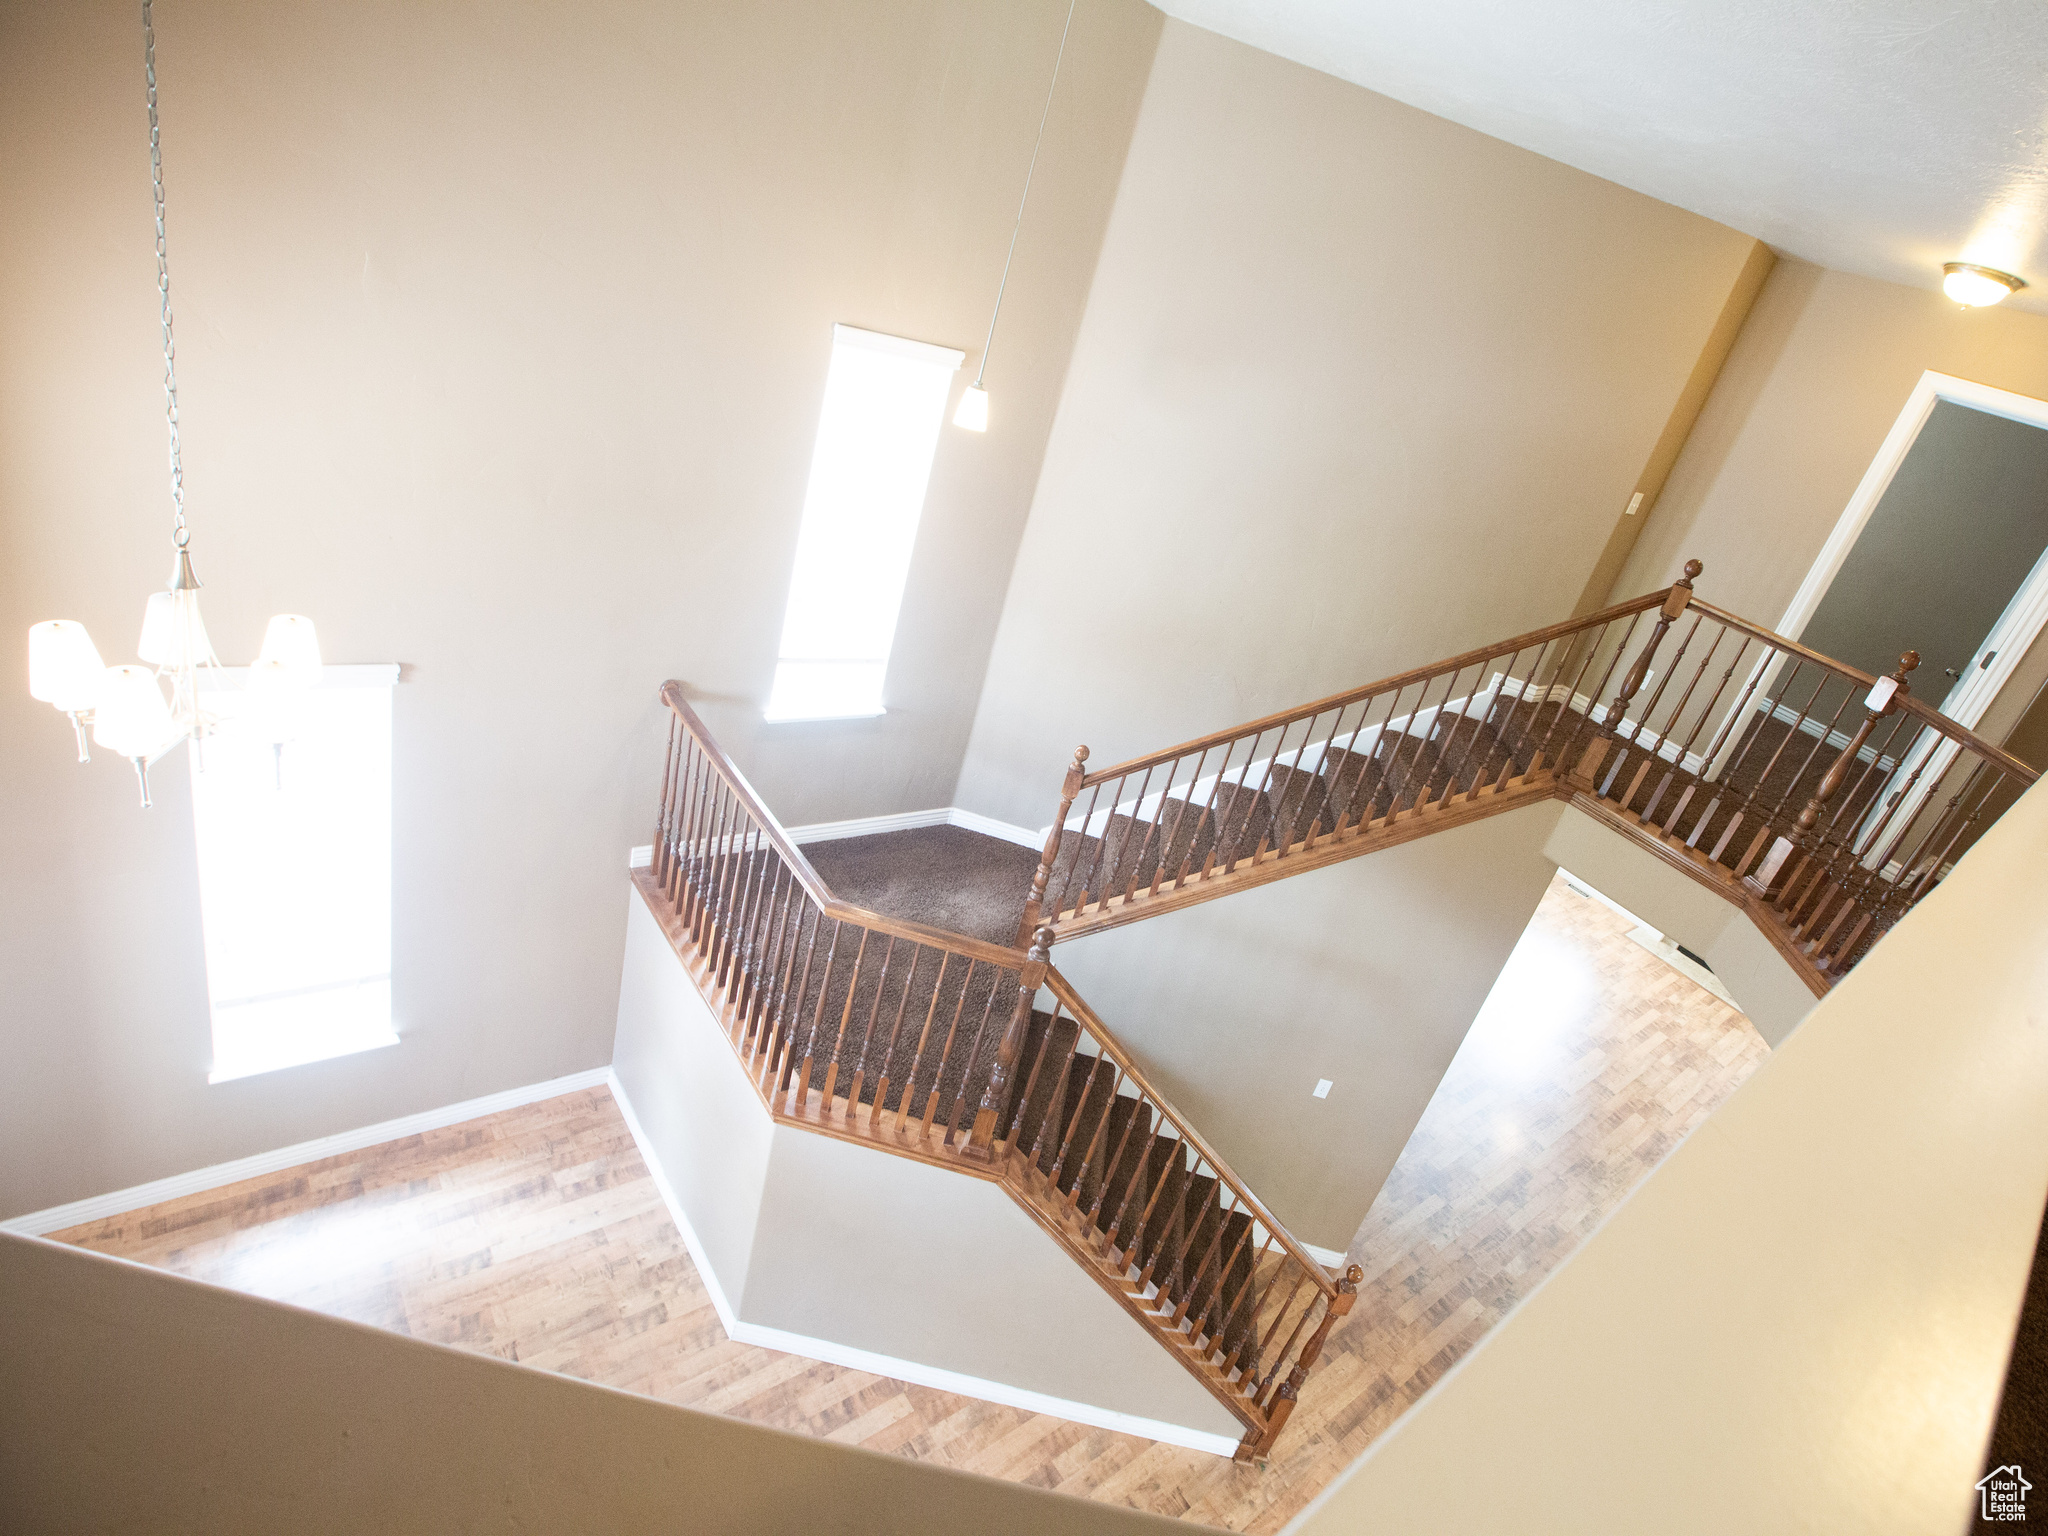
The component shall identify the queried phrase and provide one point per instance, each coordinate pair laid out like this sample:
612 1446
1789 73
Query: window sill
228 1072
851 714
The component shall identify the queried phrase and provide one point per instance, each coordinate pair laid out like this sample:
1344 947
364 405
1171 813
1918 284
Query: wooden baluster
1478 723
788 1004
904 1105
1269 1387
931 1105
1137 1180
1176 1164
988 1011
1675 603
1116 1160
1182 807
1245 1292
1839 861
1054 1106
1194 1280
995 1096
681 898
1517 739
895 1033
867 1038
802 1085
1067 899
1059 1163
845 1015
663 818
1012 1123
1749 797
1155 827
1290 1390
1092 884
1210 1330
1034 904
1774 876
761 1001
1569 704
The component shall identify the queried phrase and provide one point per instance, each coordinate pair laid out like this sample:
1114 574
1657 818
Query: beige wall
1800 1321
1368 973
503 331
1817 378
1357 388
142 1402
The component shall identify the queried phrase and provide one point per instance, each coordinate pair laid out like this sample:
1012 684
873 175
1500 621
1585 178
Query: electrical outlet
1323 1087
1635 504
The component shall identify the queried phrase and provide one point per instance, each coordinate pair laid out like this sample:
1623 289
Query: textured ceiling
1876 136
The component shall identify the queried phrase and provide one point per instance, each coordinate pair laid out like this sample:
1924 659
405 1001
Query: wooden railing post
1881 703
995 1098
1035 903
1772 871
1675 602
1290 1389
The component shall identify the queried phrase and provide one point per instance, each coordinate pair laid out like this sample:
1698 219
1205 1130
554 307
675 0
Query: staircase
983 1059
1822 801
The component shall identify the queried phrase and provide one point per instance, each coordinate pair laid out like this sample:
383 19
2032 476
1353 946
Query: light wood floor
537 1235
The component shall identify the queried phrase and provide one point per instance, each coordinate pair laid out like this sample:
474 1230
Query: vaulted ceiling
1874 136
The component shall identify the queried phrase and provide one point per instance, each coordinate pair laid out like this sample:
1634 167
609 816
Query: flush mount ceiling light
972 412
125 706
1973 286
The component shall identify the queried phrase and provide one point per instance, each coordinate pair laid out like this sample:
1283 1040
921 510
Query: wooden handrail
1115 1050
1351 696
800 867
1924 712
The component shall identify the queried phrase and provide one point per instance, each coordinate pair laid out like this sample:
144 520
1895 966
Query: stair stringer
1405 823
666 1100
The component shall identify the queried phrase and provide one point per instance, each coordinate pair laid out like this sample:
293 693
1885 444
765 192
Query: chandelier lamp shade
127 707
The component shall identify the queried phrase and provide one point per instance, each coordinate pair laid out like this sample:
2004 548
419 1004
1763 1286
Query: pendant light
972 412
1976 287
126 706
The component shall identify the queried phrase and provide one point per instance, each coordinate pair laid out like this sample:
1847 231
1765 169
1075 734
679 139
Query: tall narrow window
885 399
295 873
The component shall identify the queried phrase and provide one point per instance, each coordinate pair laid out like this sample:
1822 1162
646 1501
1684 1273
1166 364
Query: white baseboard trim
1329 1258
868 826
988 1391
988 826
937 1377
59 1217
903 821
727 1318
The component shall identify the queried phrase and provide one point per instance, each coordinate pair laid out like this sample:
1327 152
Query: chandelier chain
1029 170
180 535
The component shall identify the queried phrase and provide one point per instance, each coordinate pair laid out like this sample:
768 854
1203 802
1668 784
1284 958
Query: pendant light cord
1015 229
180 535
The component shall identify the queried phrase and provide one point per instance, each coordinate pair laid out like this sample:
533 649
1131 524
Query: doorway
1943 549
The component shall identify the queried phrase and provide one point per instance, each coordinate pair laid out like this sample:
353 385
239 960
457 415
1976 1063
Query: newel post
995 1098
1675 602
1069 788
1290 1389
1883 700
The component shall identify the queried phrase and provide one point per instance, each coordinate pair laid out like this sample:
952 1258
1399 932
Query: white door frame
2016 628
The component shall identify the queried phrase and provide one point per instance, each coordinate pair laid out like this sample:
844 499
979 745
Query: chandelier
126 707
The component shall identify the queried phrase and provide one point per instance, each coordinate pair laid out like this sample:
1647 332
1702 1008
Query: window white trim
879 425
948 358
291 982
